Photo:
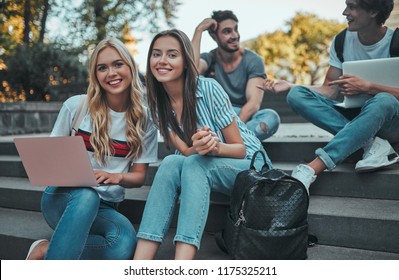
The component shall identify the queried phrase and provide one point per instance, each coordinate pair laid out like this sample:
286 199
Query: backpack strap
394 47
210 72
340 39
339 44
80 113
265 166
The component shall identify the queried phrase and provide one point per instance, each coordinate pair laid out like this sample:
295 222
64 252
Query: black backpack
340 39
267 218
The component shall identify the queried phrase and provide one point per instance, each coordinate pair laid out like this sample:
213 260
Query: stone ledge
28 117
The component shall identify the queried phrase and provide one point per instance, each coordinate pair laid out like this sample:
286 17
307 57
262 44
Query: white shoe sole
34 245
374 168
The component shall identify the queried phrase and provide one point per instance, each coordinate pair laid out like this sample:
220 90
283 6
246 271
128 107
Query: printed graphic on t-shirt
120 148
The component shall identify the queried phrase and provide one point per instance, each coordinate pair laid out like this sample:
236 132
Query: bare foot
38 250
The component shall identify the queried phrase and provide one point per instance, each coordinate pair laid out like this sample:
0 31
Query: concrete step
294 142
370 224
18 193
11 166
20 228
297 151
341 182
279 104
364 223
8 148
349 210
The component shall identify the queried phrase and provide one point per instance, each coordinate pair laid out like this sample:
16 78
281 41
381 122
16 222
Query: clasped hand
205 141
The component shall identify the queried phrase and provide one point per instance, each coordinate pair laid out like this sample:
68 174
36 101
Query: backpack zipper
241 218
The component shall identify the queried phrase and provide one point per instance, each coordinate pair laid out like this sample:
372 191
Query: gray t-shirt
235 82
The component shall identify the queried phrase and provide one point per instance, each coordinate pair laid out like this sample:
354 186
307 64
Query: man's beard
226 48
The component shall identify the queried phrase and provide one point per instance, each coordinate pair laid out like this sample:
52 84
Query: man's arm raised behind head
196 43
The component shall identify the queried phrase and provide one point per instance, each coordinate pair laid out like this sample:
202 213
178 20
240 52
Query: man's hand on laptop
351 85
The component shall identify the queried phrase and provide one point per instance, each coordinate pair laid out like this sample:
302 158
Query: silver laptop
383 71
56 161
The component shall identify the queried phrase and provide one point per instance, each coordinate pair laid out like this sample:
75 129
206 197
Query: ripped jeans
267 116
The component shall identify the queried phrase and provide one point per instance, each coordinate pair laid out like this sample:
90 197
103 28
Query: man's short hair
384 8
223 15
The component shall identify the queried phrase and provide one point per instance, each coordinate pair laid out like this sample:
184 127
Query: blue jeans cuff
150 237
184 239
325 158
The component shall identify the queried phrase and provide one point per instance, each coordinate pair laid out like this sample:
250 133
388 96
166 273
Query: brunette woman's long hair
158 99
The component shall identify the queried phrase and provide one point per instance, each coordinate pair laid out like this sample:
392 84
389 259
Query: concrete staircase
279 104
354 216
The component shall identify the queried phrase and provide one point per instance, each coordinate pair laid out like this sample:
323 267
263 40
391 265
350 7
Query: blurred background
45 44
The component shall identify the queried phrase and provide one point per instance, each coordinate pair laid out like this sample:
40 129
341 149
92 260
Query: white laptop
56 161
383 71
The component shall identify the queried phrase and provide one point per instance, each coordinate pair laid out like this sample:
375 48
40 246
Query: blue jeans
192 179
85 227
267 116
379 116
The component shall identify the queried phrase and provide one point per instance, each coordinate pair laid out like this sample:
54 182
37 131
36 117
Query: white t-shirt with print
117 163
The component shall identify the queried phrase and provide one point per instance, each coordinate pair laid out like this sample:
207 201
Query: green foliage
29 67
11 27
12 22
94 20
32 71
301 54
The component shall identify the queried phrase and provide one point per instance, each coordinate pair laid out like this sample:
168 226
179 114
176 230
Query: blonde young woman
120 140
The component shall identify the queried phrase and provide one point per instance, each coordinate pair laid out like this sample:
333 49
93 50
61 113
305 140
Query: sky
255 17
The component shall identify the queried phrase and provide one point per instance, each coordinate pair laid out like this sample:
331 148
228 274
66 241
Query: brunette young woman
213 145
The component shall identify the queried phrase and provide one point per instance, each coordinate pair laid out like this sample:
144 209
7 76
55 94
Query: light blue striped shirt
214 109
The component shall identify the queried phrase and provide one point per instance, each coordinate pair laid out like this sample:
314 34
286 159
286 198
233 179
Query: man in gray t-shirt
238 70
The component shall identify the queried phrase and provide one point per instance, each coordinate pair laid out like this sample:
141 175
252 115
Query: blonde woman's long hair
99 110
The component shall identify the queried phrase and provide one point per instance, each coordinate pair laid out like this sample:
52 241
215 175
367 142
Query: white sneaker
379 154
305 174
34 245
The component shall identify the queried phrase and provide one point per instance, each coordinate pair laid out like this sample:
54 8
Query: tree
28 67
23 22
29 61
43 20
11 26
34 69
299 55
93 20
